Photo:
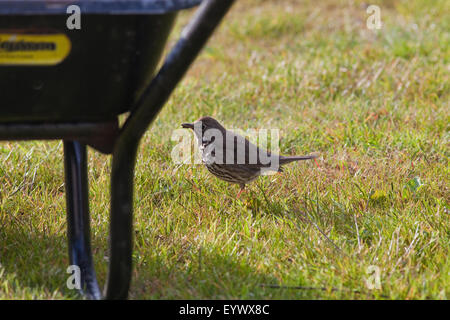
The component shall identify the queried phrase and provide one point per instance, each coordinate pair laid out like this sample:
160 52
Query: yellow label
33 49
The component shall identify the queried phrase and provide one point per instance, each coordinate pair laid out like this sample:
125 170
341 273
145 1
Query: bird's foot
239 193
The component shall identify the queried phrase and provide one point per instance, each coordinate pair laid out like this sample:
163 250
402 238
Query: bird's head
204 124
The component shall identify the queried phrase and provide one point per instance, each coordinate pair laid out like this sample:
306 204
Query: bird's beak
188 125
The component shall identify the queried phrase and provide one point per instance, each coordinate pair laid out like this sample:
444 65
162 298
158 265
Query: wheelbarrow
72 81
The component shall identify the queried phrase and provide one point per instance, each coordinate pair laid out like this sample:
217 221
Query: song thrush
233 158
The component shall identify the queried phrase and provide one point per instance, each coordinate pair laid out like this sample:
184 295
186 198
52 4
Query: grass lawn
374 103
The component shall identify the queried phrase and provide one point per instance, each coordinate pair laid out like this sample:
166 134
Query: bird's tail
284 160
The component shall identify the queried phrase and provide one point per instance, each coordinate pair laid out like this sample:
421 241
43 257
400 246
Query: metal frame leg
121 224
78 223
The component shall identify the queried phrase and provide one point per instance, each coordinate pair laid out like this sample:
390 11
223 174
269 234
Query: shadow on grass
37 263
211 275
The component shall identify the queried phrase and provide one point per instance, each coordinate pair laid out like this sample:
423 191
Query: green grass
375 104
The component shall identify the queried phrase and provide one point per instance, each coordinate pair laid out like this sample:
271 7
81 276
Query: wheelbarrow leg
121 224
120 243
78 223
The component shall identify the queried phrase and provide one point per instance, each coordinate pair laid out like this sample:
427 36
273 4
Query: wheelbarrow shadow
33 256
34 264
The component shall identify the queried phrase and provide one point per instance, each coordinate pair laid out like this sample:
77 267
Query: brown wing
239 150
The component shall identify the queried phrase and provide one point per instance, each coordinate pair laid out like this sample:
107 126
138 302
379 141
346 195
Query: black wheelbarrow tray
71 79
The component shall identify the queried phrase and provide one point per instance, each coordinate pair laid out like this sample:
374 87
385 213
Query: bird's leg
315 160
195 187
241 190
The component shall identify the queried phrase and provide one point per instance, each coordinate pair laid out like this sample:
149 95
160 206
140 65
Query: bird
231 157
